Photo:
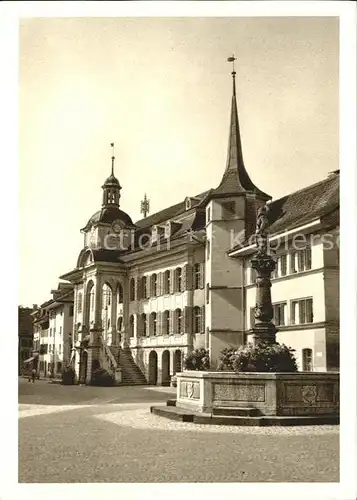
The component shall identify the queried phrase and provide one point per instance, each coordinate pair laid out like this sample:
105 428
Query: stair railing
110 358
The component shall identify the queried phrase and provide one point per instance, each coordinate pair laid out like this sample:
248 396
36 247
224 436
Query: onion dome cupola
110 212
111 188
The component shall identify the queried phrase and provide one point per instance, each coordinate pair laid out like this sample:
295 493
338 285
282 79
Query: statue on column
261 232
264 330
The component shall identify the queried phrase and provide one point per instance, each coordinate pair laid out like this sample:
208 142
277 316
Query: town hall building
148 292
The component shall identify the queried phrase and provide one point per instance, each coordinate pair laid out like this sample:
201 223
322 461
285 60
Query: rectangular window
60 349
283 264
307 360
279 313
197 276
293 266
275 273
302 311
304 259
71 310
228 209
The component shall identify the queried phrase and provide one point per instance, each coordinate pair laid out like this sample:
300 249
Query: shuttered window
154 285
197 319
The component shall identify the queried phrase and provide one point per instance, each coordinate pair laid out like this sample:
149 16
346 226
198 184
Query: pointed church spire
235 178
235 154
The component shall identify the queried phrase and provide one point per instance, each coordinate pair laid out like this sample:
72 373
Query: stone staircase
131 373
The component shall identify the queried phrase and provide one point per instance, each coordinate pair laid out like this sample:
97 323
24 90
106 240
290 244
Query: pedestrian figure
33 375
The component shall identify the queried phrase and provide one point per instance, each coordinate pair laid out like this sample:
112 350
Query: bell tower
111 187
230 215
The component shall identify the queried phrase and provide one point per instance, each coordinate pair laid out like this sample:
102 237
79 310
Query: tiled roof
304 205
167 213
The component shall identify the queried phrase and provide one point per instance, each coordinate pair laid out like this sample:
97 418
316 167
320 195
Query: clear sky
161 90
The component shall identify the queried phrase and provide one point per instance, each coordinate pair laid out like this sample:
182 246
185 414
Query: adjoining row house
147 293
25 336
53 323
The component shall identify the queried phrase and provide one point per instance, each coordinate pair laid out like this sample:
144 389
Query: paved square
91 434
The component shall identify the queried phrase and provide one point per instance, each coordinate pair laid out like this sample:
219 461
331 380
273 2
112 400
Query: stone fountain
252 398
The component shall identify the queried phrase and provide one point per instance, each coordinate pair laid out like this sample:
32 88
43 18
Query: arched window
106 296
166 322
131 326
178 279
120 293
154 285
307 360
153 323
178 321
143 324
132 289
144 290
197 323
120 323
167 281
91 299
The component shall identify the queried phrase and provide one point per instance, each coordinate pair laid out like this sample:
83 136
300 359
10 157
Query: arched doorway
165 368
83 363
153 368
177 361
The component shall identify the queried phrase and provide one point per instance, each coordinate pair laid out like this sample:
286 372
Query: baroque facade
147 293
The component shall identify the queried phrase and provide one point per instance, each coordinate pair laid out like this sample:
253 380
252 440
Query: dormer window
154 234
168 230
188 203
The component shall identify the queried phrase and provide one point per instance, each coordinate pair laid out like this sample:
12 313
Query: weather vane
145 206
232 59
113 157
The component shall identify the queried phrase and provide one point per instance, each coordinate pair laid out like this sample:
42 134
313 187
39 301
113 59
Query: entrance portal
153 368
83 362
178 361
165 371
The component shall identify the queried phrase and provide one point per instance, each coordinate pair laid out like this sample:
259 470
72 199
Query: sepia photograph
179 247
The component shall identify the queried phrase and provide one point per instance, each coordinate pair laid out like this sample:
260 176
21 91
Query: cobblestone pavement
108 435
